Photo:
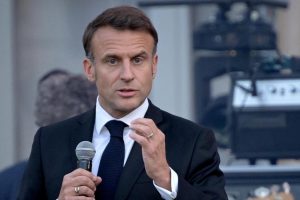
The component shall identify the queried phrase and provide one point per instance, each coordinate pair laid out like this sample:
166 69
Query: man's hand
152 141
79 184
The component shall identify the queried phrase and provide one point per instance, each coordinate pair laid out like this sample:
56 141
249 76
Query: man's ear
154 65
89 69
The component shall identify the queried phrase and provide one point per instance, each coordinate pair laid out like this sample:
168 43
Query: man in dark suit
163 156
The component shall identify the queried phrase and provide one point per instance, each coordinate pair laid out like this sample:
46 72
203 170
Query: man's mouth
127 92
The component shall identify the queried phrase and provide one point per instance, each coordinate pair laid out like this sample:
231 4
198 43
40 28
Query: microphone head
85 150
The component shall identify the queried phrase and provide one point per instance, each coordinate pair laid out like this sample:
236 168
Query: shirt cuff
166 194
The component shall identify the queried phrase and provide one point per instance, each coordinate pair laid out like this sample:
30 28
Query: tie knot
116 128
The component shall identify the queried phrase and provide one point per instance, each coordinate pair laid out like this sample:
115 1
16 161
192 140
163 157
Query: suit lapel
134 166
83 131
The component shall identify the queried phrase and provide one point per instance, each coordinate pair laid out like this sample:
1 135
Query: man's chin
127 107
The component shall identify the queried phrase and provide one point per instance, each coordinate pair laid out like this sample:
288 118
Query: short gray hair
62 95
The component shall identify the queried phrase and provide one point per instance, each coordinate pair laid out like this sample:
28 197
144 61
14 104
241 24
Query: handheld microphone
85 152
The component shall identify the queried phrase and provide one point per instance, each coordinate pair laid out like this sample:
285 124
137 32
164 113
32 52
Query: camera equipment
266 125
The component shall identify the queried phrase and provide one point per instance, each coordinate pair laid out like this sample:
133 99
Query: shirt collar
102 117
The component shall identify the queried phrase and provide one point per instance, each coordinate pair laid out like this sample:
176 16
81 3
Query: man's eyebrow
110 56
142 53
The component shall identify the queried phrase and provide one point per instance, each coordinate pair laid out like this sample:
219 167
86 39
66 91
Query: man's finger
84 181
142 130
142 140
83 191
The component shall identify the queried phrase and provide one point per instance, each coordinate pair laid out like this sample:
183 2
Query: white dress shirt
101 137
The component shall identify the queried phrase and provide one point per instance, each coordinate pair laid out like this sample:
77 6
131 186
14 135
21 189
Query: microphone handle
84 164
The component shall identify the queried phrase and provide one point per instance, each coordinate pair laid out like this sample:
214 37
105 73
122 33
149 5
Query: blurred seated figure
60 95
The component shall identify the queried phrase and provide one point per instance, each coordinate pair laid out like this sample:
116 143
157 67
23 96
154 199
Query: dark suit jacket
10 180
191 152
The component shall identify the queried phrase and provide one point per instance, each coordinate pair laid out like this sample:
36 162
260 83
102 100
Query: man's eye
138 60
112 61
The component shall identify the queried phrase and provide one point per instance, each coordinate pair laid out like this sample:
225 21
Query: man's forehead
106 34
116 42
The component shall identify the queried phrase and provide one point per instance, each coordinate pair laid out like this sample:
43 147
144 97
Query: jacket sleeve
204 179
32 185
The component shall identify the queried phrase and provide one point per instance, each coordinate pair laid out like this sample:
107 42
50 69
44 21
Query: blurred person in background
60 95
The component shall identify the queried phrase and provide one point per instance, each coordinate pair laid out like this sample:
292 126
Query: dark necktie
112 160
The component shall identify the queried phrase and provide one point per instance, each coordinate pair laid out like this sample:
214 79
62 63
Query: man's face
123 68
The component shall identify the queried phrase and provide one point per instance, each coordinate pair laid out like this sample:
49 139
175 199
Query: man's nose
127 72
